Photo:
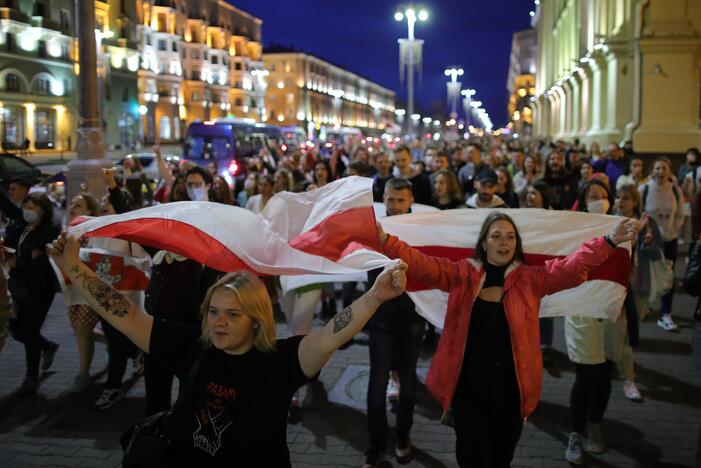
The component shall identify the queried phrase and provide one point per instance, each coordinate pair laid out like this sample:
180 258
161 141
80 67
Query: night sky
361 35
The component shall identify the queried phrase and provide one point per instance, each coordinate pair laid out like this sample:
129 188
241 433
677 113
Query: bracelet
610 242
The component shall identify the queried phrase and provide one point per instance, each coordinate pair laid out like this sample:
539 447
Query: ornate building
521 81
199 60
620 70
307 91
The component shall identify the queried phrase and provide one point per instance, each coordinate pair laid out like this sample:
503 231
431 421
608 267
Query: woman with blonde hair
240 378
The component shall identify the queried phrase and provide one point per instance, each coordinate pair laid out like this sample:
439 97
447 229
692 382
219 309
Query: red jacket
524 287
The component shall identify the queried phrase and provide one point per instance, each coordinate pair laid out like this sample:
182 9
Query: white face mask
30 216
598 206
197 193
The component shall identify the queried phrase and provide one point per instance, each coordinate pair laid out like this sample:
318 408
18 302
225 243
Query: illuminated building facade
305 90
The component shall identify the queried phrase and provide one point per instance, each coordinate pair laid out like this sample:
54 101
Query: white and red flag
331 231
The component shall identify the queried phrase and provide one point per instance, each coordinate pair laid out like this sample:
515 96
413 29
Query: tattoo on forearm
342 320
109 299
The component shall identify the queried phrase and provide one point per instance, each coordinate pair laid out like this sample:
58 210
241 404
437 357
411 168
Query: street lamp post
90 147
466 104
410 55
453 89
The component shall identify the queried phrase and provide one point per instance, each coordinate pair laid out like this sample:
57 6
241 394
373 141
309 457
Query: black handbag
151 441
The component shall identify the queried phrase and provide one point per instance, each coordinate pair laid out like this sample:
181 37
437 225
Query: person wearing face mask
198 182
487 371
32 282
662 201
594 346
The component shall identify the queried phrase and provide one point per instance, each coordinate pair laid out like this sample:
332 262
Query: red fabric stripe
182 238
610 270
340 234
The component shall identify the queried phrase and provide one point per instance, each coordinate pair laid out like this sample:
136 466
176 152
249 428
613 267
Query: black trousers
386 347
488 422
159 385
26 327
120 349
590 394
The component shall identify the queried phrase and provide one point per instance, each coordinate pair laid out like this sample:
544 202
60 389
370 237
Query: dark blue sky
362 36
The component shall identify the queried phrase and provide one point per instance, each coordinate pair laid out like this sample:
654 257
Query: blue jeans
388 347
670 253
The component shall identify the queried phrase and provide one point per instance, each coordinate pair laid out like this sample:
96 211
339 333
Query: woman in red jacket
487 370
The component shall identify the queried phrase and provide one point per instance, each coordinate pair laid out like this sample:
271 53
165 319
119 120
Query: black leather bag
151 441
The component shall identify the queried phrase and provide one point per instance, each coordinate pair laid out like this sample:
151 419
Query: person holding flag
244 378
487 371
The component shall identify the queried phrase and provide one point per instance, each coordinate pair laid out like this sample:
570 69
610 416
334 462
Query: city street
56 429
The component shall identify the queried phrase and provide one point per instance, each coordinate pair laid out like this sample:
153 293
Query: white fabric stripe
544 232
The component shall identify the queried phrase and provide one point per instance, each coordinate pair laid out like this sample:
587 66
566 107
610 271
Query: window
237 66
164 125
195 96
175 46
12 83
10 42
195 75
215 60
238 84
41 49
12 127
195 54
43 86
148 40
125 95
44 128
162 45
238 102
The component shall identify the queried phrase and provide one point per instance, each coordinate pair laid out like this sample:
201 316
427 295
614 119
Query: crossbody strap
186 389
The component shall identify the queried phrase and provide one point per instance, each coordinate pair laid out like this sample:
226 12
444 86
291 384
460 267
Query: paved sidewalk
57 429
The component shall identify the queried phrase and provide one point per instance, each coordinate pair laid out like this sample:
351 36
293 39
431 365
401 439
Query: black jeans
488 422
547 325
26 327
590 394
159 385
385 346
120 349
670 253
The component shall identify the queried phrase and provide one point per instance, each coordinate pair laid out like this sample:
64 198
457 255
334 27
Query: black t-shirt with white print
236 412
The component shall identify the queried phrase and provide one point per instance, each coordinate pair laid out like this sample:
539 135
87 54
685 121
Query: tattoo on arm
342 320
109 299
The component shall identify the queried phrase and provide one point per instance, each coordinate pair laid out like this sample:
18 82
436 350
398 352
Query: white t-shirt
664 207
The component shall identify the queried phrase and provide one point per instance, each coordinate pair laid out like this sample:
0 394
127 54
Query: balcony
46 23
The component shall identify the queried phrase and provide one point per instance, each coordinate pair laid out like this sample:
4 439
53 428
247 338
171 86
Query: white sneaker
392 390
595 441
108 398
574 453
667 324
630 390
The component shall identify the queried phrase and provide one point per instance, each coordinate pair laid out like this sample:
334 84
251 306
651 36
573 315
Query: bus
228 142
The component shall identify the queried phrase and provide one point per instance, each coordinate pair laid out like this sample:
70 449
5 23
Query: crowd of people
174 306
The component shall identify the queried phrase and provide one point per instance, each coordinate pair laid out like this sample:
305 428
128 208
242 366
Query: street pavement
57 429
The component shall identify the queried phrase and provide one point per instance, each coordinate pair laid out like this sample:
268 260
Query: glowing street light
410 52
454 88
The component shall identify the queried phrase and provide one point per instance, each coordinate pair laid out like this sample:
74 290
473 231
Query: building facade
306 91
199 60
521 82
610 71
37 86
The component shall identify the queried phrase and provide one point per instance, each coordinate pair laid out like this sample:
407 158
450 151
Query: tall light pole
90 147
453 89
410 54
466 104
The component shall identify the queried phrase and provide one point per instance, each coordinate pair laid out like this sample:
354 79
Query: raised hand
108 178
626 230
391 282
64 250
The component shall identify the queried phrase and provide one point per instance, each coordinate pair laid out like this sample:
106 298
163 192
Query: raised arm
572 270
111 304
432 272
316 348
163 169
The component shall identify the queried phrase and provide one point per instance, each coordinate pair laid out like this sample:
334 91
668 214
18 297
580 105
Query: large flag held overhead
331 231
